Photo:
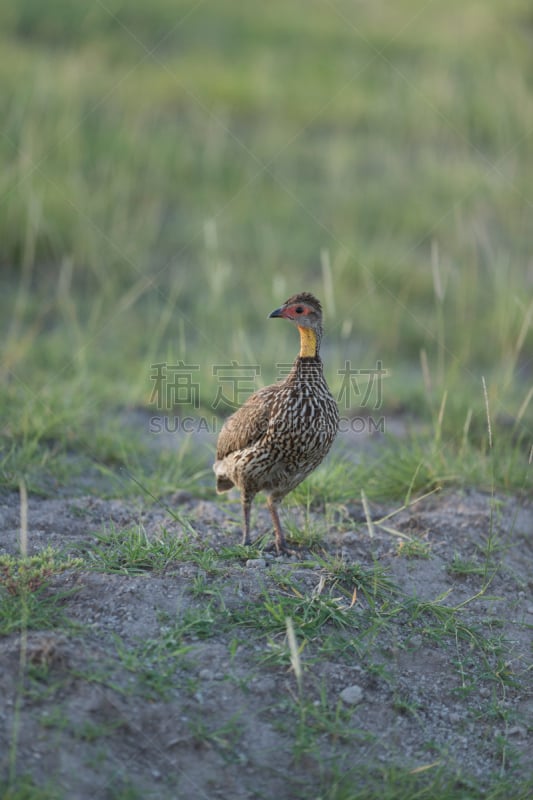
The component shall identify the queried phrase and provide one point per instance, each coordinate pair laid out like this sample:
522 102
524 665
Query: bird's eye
299 310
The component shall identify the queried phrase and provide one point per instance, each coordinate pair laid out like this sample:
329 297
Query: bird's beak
278 312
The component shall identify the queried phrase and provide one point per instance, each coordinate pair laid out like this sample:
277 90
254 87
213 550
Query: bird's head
306 312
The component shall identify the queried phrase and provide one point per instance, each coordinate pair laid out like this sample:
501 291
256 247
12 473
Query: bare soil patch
127 698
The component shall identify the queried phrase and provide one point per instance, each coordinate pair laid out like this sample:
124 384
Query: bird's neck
309 343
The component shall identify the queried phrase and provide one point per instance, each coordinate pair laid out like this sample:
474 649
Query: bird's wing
248 423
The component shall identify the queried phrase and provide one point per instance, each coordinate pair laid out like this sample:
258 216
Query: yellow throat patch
307 342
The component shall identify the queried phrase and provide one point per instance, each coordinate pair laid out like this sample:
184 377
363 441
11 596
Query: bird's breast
305 415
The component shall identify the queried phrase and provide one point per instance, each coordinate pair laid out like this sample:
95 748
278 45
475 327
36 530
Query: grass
26 599
397 783
393 186
26 788
132 552
169 174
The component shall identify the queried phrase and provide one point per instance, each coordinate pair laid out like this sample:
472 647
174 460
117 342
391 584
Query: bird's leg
246 502
281 544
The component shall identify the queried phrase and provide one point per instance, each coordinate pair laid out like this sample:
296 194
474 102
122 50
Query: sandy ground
104 707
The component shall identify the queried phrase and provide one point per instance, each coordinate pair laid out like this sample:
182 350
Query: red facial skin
295 311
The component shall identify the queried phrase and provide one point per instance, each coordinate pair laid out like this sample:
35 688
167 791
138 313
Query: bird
283 431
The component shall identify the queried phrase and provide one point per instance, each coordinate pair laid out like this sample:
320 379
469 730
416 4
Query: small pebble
256 563
350 538
352 695
517 730
206 675
264 686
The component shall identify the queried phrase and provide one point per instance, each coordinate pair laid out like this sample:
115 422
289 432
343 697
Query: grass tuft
28 601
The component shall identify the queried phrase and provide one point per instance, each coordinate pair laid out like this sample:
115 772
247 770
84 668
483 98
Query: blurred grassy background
172 171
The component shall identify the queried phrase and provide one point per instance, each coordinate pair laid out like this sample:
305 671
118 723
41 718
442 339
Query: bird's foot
280 548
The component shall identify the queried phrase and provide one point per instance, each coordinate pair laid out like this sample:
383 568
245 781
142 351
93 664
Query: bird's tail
224 484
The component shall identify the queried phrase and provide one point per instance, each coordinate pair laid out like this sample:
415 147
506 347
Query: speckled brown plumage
283 431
